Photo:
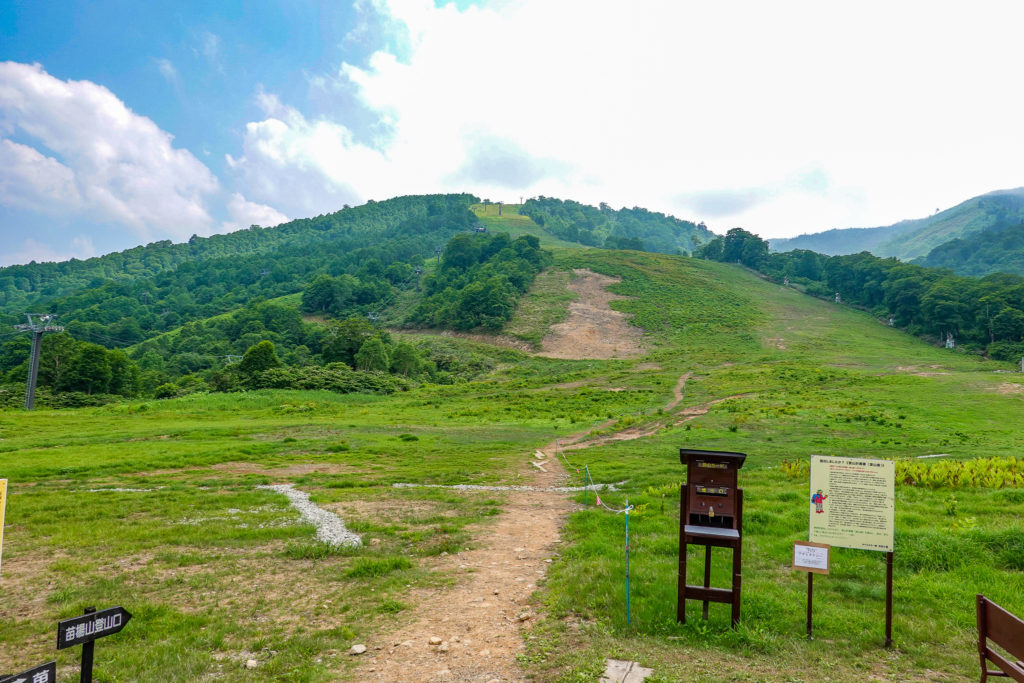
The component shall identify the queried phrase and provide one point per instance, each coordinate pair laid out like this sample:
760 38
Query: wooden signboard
852 502
853 505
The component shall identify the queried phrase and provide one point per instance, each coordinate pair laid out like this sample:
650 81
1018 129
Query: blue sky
123 123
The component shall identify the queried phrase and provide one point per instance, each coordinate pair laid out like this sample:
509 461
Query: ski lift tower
38 324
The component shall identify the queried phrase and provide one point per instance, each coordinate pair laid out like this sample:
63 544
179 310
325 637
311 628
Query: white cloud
244 213
168 71
34 250
30 180
678 106
101 159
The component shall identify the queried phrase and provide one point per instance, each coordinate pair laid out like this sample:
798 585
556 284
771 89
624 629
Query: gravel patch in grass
330 528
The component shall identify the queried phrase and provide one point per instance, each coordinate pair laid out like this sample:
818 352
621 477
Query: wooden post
737 560
681 598
707 575
810 600
888 600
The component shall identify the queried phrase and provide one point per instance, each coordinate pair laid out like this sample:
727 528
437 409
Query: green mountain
318 298
999 249
267 261
915 238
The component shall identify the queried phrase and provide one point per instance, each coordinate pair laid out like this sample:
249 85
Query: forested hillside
230 270
199 272
984 314
268 344
301 306
603 226
912 239
997 250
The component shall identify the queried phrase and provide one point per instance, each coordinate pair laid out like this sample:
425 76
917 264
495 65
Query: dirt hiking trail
472 631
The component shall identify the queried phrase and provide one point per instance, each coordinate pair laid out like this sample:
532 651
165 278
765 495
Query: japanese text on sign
91 626
852 502
811 557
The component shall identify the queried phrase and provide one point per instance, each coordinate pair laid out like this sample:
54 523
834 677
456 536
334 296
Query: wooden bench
1006 631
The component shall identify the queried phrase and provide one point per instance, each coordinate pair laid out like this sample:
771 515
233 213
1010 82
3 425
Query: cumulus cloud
303 166
503 163
678 106
244 213
33 181
102 160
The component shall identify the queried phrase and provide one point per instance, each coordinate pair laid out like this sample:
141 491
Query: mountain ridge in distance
916 238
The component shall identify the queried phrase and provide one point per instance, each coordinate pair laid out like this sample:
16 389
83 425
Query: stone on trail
251 664
357 649
434 640
620 671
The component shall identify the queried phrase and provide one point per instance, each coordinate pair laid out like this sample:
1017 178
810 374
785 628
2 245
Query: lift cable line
38 324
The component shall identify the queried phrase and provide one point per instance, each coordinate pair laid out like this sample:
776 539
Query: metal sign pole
87 652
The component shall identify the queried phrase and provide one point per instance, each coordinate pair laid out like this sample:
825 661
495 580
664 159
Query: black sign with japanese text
44 673
91 626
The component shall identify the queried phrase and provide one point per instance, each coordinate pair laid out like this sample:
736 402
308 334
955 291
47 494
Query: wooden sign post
853 505
812 558
84 631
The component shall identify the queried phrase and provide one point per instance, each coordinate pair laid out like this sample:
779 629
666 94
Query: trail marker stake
84 631
586 485
627 561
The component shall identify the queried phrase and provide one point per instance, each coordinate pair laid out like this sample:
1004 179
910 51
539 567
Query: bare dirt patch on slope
593 329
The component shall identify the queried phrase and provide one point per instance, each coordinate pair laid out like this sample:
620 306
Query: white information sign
853 502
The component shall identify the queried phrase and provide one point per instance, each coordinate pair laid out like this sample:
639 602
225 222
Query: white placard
811 557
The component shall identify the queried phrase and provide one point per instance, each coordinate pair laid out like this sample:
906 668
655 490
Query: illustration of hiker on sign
818 501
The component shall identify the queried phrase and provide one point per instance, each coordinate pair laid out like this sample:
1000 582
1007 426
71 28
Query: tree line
602 226
982 314
269 343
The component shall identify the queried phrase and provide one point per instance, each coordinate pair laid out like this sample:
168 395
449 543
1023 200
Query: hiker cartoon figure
818 501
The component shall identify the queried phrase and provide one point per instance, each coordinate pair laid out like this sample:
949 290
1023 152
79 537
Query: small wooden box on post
711 514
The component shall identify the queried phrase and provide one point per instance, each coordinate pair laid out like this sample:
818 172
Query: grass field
153 505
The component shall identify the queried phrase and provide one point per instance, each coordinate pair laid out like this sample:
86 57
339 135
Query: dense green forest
268 344
603 226
131 295
982 314
997 250
479 280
